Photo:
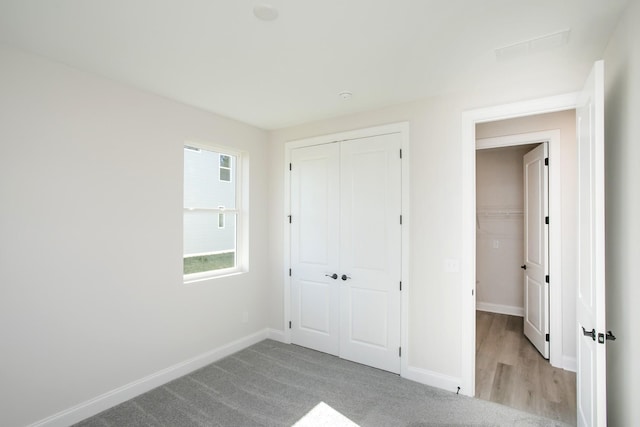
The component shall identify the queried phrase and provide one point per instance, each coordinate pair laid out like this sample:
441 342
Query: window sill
196 278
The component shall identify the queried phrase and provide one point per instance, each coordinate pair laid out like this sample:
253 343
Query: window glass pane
202 263
207 246
202 185
225 174
225 161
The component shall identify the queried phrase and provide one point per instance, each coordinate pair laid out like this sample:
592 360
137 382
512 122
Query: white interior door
536 248
346 249
370 251
590 306
315 208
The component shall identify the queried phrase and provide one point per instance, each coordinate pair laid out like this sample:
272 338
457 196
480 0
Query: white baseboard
435 379
122 394
569 363
276 335
500 309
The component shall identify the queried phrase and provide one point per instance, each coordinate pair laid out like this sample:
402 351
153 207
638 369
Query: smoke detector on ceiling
265 12
346 95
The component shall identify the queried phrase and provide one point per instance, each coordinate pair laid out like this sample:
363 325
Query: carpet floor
275 384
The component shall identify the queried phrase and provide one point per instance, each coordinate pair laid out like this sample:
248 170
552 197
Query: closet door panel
370 251
315 208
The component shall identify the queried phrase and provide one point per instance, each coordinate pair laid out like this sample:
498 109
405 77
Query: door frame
468 224
552 138
403 129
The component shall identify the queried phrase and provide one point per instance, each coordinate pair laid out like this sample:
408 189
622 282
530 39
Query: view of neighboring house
209 191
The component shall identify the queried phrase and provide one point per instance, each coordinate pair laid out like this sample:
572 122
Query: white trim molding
121 394
500 309
276 335
569 363
434 379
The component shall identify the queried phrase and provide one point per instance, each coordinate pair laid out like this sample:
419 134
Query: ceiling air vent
537 44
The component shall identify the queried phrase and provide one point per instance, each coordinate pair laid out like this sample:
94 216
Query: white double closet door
346 249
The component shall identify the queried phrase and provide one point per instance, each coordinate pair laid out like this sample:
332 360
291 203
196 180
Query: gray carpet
275 384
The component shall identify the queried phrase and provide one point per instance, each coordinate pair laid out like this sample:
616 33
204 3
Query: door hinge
546 220
289 272
290 166
546 337
401 285
399 351
400 219
546 161
546 278
289 216
401 153
289 324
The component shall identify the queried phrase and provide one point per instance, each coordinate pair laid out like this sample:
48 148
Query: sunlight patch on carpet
324 415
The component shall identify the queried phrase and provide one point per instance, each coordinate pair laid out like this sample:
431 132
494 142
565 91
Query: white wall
434 186
622 171
500 229
91 293
435 317
565 121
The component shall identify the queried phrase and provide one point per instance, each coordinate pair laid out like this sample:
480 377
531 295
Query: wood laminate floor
510 371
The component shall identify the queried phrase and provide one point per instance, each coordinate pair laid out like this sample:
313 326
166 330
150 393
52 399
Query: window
212 214
225 168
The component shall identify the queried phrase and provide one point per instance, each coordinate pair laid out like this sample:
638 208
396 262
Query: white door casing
351 191
536 249
590 299
315 206
467 301
370 251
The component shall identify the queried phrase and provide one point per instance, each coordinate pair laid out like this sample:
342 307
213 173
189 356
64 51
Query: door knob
345 277
334 276
524 266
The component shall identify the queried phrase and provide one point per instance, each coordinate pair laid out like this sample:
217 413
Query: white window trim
241 182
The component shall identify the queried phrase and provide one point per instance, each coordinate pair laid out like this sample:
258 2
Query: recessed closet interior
499 229
499 223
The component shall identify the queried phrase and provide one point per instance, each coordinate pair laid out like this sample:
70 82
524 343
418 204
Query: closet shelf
499 213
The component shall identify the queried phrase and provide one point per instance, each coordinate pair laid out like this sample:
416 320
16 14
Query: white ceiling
214 54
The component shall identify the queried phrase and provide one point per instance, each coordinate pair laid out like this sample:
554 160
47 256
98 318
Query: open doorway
500 229
509 369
